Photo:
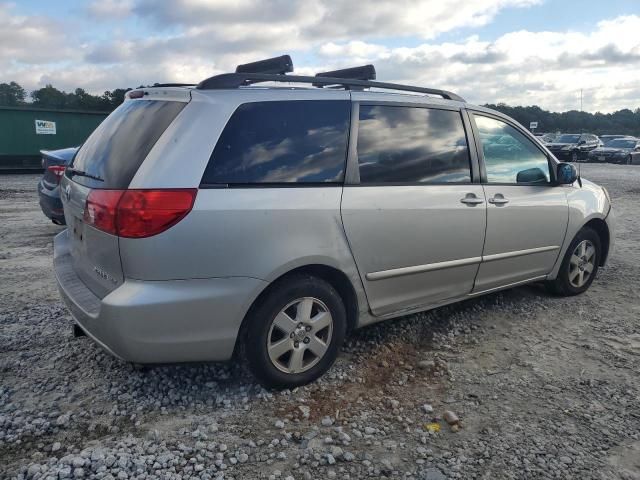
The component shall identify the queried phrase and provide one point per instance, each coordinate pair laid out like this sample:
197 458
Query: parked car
54 162
605 139
548 137
620 150
271 221
573 146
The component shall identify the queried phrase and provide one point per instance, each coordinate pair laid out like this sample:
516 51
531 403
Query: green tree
11 94
622 122
49 96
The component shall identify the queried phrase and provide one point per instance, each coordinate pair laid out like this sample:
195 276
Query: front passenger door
527 214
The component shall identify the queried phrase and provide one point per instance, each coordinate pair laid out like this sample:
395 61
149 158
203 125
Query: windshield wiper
80 173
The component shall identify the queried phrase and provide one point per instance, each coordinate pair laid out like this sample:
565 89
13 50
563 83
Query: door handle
498 199
470 199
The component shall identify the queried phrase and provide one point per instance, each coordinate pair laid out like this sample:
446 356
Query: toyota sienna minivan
269 214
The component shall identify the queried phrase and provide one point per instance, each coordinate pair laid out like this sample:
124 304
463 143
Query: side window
509 156
411 145
301 141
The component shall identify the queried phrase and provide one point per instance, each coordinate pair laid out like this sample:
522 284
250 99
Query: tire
273 327
571 280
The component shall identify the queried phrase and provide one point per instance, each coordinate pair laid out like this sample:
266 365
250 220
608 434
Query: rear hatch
105 164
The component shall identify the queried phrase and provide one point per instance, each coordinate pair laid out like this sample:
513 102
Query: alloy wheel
582 263
300 335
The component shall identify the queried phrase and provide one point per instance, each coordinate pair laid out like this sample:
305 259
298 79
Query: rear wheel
293 336
579 266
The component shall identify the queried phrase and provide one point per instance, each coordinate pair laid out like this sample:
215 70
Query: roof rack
274 69
171 85
277 65
365 72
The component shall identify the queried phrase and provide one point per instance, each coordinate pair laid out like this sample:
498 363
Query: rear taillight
101 210
137 213
57 170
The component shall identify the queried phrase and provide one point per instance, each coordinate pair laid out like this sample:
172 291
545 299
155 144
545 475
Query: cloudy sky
521 52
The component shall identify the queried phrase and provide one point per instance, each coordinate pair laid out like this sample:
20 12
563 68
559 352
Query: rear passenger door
414 218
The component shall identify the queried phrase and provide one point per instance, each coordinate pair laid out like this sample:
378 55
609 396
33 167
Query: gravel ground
543 387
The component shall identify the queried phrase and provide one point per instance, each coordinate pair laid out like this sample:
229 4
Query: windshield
568 139
115 150
621 143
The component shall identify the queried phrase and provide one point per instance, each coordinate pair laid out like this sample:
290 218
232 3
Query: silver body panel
415 228
95 254
182 295
523 236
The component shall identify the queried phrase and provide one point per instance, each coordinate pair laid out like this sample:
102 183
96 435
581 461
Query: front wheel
579 266
294 335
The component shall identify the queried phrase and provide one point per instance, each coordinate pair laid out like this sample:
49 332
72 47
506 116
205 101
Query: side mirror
566 173
531 175
582 142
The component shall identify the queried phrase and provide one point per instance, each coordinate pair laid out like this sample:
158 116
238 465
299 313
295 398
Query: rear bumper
159 321
50 203
597 158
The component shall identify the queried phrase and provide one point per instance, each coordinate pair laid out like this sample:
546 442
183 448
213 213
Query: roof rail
169 85
235 80
277 65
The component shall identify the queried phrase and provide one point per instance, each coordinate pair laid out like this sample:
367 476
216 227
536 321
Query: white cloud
194 39
30 39
543 68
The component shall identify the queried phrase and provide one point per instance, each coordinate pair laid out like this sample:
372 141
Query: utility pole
581 100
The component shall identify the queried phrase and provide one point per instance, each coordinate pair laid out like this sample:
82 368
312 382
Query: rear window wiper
80 173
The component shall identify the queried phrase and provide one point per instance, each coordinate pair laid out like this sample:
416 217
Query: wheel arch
332 275
601 228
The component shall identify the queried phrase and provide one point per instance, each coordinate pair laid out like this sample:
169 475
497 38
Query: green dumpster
24 131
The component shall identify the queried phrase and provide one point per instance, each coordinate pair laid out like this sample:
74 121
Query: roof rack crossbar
235 80
365 72
276 65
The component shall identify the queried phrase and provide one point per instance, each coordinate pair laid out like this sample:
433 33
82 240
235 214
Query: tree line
621 122
625 121
13 94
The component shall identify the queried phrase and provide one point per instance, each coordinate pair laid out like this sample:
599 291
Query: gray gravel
541 387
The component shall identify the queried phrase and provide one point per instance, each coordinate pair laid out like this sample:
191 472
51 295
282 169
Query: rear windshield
113 153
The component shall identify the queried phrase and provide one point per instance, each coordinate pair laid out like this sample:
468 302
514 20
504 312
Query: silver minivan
269 214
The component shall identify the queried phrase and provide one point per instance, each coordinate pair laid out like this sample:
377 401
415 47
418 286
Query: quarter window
411 145
282 142
509 156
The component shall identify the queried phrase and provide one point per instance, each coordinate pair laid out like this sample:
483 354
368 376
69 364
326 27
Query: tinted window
568 139
117 148
411 145
617 143
509 156
282 142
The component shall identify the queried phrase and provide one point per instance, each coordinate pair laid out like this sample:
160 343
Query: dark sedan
54 162
620 150
573 146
